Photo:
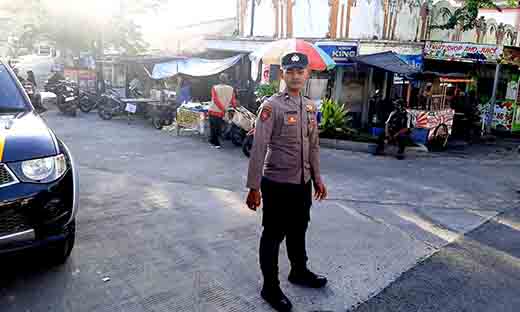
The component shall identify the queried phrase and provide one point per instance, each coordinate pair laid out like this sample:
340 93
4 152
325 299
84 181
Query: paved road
480 272
163 217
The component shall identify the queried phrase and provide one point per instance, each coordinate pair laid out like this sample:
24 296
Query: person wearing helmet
397 130
222 97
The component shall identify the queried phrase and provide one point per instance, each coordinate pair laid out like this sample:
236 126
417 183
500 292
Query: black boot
276 298
306 278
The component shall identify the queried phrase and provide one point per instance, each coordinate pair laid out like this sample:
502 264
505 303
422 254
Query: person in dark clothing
397 130
31 78
17 73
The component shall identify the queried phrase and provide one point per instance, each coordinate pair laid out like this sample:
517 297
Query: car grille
12 220
6 178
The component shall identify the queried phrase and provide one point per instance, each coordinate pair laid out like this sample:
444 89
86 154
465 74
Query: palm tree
481 28
502 31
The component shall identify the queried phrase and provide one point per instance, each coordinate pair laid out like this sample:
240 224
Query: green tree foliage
466 17
77 31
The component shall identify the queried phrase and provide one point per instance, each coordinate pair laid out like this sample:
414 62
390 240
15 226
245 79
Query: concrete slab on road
163 217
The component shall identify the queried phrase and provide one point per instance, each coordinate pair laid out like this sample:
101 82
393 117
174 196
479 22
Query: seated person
397 130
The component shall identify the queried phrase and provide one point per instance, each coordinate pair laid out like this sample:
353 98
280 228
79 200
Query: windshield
11 98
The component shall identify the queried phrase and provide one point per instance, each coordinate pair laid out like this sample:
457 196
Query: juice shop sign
462 51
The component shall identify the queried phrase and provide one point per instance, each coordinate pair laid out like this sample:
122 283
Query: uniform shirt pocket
290 124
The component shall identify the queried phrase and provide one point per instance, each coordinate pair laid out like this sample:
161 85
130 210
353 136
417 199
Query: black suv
38 178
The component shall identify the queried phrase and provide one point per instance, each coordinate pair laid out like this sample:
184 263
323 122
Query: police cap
294 60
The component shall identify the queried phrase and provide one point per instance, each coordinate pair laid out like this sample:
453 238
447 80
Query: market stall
201 75
434 122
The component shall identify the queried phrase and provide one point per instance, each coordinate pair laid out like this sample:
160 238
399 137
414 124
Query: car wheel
59 252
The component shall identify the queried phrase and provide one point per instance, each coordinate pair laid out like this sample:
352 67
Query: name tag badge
292 119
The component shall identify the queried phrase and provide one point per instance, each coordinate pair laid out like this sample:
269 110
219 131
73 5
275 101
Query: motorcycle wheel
440 138
237 137
157 123
104 114
85 105
248 144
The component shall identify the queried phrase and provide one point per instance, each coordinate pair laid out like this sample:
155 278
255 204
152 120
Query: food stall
192 115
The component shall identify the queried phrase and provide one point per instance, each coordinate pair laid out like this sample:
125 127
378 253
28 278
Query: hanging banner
515 123
515 127
464 52
266 73
503 117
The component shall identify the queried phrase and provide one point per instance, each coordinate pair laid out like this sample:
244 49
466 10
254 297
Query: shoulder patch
310 108
266 112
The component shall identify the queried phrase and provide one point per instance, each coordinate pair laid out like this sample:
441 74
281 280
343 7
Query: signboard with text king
340 52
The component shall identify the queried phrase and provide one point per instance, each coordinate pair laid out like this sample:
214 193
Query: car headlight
44 169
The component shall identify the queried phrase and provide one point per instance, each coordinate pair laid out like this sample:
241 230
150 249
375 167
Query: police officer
284 161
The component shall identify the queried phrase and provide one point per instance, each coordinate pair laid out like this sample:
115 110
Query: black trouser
286 214
215 130
401 141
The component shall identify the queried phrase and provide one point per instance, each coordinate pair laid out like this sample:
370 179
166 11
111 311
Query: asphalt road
478 273
163 217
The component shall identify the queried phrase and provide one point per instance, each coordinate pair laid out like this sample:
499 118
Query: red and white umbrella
272 53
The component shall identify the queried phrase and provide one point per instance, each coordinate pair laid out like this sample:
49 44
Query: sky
156 28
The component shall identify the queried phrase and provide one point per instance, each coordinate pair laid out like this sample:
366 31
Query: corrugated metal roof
388 61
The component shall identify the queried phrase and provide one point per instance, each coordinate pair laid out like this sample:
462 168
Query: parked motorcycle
247 143
110 104
67 98
34 96
88 101
241 121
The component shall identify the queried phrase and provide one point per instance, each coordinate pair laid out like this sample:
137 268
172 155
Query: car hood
25 136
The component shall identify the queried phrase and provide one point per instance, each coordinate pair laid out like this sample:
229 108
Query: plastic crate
420 135
376 131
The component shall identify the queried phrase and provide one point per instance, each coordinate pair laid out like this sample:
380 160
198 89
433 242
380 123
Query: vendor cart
161 113
433 126
192 117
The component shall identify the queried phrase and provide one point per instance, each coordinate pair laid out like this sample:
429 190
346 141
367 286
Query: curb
363 147
348 145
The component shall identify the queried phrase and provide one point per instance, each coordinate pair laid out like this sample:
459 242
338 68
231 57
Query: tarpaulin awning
196 67
388 61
